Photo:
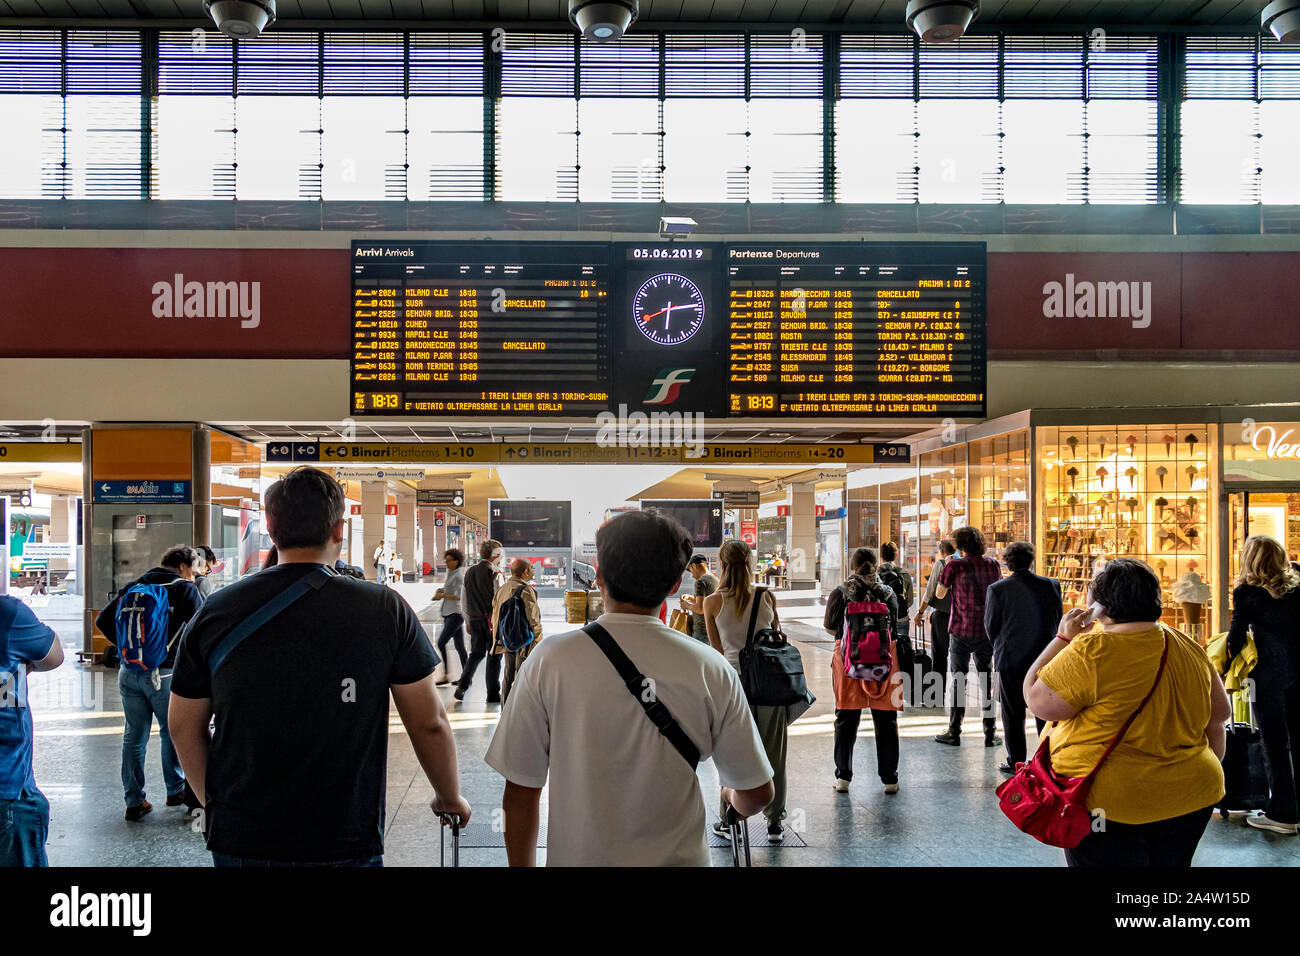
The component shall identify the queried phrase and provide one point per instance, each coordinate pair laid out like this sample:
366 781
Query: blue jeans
24 826
140 704
227 860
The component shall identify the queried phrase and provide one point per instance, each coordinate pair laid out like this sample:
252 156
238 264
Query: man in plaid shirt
967 577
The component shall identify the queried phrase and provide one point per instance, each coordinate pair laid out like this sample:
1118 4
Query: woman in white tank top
726 618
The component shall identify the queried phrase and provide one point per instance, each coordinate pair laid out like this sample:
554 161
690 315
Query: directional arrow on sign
105 488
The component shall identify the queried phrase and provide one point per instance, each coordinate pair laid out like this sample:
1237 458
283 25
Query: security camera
241 19
939 21
1282 19
602 20
672 226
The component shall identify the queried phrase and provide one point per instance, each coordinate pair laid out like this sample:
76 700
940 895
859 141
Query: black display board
531 524
487 329
701 517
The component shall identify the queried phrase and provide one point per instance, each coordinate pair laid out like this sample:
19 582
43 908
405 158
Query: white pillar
374 496
801 535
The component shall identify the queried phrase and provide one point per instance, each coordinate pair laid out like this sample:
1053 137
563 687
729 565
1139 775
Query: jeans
452 630
140 704
480 645
24 828
1163 843
846 735
1277 711
959 656
227 860
1011 692
772 732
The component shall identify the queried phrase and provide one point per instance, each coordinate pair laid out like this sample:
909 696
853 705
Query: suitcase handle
739 829
449 820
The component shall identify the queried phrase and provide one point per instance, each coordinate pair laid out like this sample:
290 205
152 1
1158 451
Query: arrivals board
516 330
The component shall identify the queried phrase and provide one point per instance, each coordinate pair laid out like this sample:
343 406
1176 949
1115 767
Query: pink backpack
865 641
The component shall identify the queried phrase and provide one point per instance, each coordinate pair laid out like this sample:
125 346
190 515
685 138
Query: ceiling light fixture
1282 19
941 21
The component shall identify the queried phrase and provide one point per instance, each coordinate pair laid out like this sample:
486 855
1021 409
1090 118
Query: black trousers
1164 843
959 658
1277 711
480 643
452 630
1011 694
939 644
846 735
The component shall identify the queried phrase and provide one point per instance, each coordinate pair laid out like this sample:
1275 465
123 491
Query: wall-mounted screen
701 517
531 524
522 330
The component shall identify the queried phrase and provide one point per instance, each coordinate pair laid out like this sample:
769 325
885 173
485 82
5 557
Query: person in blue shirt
25 645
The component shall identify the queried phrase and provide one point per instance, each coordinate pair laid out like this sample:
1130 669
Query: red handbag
1051 808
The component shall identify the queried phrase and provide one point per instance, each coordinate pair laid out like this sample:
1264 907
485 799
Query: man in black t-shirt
297 768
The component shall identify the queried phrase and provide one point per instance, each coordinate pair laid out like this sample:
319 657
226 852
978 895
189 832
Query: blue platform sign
142 492
293 451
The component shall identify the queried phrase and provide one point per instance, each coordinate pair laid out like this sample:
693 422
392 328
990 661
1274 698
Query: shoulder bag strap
312 581
1164 656
636 686
753 614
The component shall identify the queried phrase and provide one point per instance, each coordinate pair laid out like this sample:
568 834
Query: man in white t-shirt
621 794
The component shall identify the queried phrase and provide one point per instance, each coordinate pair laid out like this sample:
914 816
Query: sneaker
841 785
133 814
775 833
175 799
442 683
494 700
952 740
994 741
1007 768
720 829
459 693
891 788
1260 821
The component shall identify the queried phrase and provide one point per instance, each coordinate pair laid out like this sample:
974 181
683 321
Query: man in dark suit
1021 613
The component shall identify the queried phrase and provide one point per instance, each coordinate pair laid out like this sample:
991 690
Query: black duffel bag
771 670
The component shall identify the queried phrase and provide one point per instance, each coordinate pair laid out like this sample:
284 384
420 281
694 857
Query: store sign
749 532
1273 444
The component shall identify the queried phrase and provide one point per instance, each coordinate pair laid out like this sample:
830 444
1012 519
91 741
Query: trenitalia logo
667 385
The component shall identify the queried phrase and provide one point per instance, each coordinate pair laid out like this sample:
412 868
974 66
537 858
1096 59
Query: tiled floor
944 815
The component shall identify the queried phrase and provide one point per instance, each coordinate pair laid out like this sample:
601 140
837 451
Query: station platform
945 813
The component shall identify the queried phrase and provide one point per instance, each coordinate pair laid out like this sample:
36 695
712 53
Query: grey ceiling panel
437 9
1216 10
161 8
288 9
59 8
407 9
345 9
726 11
315 9
115 8
512 9
665 10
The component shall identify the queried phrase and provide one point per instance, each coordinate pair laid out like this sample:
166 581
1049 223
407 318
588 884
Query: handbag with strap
771 669
640 687
1049 807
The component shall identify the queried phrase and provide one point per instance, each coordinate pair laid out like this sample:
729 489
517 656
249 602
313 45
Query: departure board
856 329
480 328
491 330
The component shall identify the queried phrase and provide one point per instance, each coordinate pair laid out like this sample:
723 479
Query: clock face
668 309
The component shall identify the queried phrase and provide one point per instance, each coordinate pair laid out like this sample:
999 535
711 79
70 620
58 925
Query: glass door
1275 513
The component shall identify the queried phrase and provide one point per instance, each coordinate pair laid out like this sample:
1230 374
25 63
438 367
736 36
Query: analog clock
668 309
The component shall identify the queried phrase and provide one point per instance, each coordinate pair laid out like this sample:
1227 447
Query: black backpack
901 584
513 628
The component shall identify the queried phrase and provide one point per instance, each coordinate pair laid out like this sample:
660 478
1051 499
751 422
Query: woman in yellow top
1154 795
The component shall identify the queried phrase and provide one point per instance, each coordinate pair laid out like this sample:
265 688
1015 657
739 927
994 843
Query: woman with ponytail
727 615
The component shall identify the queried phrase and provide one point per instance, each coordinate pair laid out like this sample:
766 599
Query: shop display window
1131 491
942 504
998 478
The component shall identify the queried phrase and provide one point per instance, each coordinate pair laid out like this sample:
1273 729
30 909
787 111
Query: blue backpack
141 621
512 623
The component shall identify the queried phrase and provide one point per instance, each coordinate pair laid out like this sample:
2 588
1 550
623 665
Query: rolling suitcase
923 664
1244 775
455 839
739 837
